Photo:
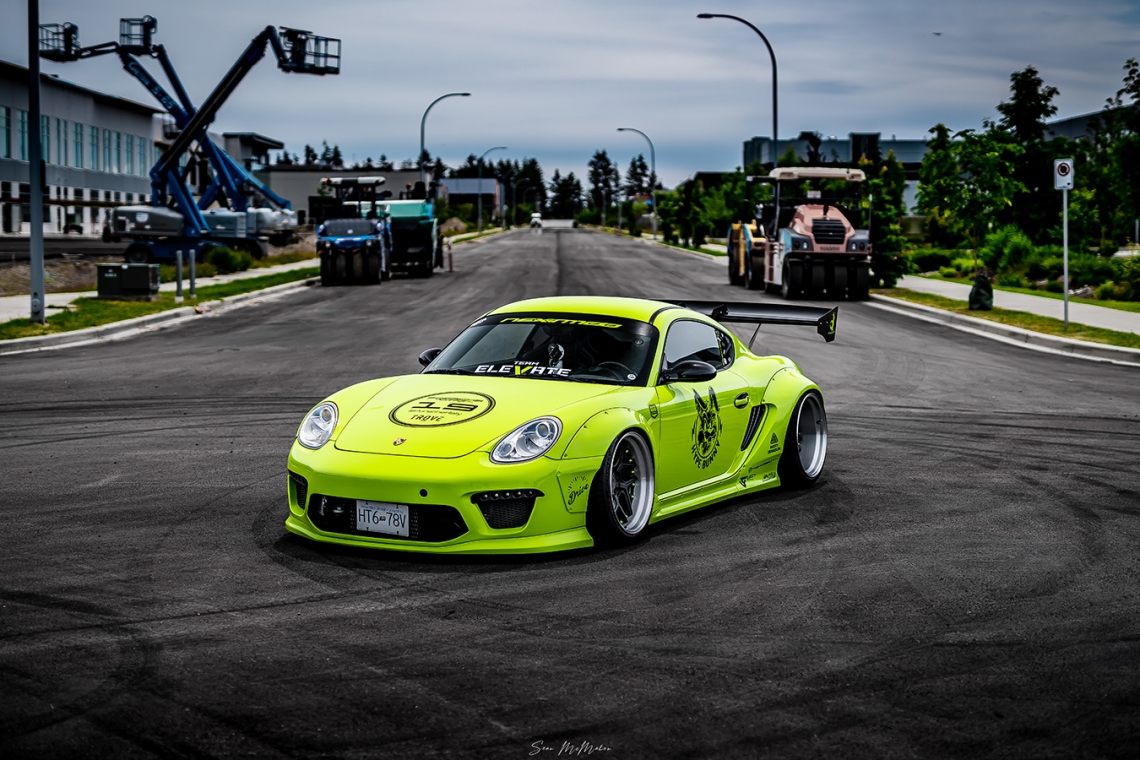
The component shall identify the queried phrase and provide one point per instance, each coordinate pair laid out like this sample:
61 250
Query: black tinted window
690 340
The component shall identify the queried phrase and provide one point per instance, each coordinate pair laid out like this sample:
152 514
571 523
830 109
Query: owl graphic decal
706 430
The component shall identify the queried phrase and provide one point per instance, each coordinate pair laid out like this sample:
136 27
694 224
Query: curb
129 328
1014 336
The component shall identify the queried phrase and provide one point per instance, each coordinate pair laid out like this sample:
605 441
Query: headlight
528 442
318 426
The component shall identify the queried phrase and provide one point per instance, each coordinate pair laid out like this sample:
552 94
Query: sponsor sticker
440 409
559 321
521 369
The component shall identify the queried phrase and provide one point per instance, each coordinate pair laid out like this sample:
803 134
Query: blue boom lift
159 230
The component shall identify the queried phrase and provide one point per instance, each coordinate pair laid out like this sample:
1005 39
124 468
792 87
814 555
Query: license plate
381 517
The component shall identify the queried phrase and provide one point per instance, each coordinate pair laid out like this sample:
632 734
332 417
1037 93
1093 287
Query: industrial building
97 149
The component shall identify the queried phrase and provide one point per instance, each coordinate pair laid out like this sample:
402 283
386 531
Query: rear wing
762 313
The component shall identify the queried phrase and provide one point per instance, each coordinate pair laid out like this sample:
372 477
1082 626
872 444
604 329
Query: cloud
554 79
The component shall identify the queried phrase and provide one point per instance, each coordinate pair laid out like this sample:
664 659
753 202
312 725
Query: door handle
741 401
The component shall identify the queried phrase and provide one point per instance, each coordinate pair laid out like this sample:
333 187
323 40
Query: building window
93 142
106 150
77 159
45 138
117 164
142 157
61 146
5 132
129 155
22 119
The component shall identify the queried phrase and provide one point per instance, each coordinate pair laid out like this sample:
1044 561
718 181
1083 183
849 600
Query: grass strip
281 258
93 312
1133 306
1024 320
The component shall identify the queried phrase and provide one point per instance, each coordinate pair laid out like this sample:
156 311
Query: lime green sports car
560 423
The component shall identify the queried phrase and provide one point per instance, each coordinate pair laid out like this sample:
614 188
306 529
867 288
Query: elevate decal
706 430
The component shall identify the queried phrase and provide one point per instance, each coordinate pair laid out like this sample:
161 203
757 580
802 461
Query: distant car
560 423
536 220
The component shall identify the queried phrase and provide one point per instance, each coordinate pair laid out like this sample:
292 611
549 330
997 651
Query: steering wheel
617 369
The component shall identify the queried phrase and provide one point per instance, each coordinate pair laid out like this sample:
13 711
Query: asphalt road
963 582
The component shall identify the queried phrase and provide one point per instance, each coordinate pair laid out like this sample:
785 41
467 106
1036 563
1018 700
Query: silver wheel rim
811 435
630 484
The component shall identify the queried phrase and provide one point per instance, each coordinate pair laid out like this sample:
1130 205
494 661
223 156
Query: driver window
688 339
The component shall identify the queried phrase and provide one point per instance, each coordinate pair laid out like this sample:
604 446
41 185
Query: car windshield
569 347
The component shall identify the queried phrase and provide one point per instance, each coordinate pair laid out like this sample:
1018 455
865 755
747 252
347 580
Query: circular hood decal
439 409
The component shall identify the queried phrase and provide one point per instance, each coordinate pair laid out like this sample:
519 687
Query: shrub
948 272
167 272
1005 248
1127 270
227 260
1011 280
1087 269
964 266
929 260
1112 291
1051 268
1054 286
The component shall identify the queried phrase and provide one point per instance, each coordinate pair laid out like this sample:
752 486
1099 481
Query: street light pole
35 166
515 200
424 121
775 99
653 165
480 194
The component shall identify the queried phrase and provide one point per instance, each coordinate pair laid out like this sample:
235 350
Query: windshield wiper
447 372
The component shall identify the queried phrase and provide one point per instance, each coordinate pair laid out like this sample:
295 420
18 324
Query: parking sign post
1063 181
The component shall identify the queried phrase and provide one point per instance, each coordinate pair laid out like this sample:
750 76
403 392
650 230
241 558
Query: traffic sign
1063 174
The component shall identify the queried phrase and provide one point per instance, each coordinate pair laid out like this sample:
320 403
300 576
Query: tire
427 270
805 443
621 495
818 277
751 281
340 268
137 254
372 269
861 287
793 281
327 279
838 287
733 266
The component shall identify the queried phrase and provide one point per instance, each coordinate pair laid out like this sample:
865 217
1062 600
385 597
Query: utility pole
480 193
35 163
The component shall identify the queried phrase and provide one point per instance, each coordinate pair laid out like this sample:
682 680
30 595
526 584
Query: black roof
16 73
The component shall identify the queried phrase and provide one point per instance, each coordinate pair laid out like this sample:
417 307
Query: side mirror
691 371
427 357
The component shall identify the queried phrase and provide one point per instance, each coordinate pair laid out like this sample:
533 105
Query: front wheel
805 443
621 496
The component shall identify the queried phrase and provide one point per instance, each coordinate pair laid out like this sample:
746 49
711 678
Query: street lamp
515 200
424 120
775 154
653 164
498 147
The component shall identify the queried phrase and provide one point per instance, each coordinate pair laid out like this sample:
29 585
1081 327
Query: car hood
447 416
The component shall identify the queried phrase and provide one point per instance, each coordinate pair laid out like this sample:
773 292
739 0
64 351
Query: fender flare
596 434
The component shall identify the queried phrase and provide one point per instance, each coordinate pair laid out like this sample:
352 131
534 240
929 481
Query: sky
554 79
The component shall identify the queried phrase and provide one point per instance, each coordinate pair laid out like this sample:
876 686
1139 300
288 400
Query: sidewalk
1080 313
15 307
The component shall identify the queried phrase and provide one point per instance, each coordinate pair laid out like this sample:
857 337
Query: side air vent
300 488
754 421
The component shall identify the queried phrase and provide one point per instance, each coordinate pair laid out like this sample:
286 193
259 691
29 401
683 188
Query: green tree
883 191
988 185
604 178
565 195
940 181
637 177
1034 208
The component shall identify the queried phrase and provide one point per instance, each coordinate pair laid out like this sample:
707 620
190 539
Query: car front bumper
432 488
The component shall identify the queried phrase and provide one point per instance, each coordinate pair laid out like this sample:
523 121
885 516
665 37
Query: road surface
963 582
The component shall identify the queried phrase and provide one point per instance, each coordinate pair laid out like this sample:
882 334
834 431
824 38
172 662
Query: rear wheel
793 280
734 278
805 443
621 496
861 288
752 278
340 268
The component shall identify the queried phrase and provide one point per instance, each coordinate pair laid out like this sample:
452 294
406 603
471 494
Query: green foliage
1112 291
883 197
939 179
1011 280
948 271
1006 248
1054 286
929 259
227 260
